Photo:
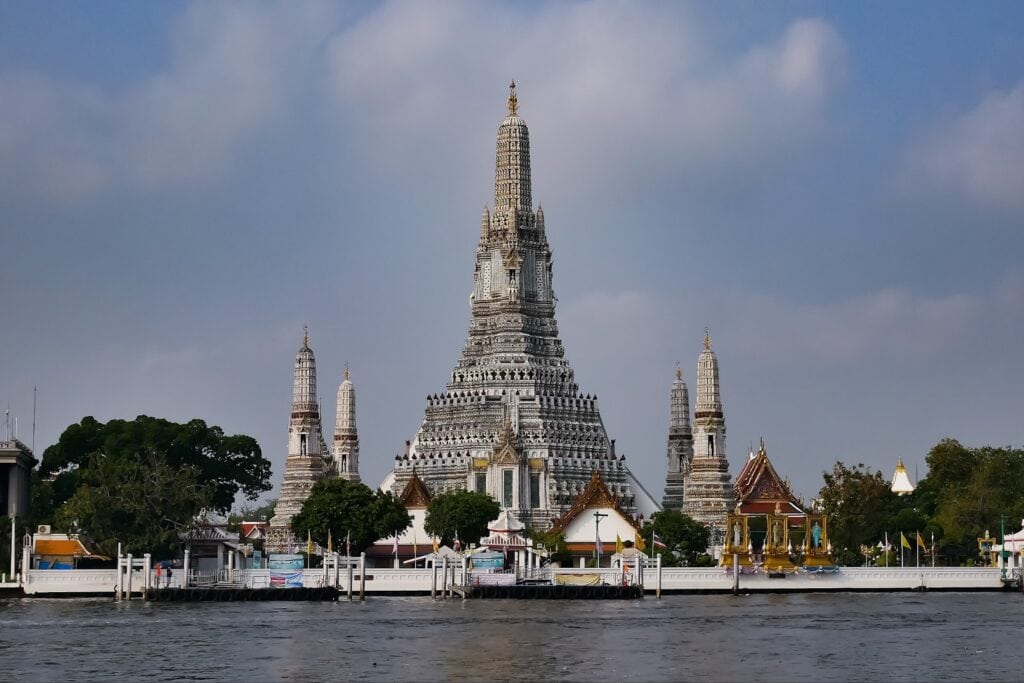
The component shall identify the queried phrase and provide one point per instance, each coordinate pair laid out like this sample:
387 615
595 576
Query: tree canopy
460 513
141 482
229 464
685 538
971 490
142 504
859 504
339 507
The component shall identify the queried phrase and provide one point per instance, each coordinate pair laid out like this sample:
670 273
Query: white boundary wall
380 581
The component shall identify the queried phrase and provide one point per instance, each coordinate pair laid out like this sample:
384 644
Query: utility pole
598 516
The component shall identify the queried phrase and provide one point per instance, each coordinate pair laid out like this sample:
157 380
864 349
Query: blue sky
836 190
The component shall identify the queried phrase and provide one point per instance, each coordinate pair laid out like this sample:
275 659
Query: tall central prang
512 421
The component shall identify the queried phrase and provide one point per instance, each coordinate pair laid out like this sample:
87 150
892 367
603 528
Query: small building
593 523
16 463
210 548
414 540
62 551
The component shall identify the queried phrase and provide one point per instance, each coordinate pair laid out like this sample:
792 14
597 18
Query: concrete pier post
433 580
147 568
657 585
444 577
128 593
119 582
348 561
188 556
362 577
735 574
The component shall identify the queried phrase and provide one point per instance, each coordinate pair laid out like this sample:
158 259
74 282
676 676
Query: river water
803 637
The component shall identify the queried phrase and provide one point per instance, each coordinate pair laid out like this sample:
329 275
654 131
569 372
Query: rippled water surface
870 637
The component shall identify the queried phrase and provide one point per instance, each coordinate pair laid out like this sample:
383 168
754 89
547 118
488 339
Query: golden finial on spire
679 371
707 339
762 444
513 101
348 376
305 336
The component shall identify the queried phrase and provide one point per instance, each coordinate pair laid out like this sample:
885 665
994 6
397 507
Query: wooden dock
549 592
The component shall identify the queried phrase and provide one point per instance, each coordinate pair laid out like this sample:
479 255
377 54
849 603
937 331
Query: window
302 444
481 482
506 498
534 490
711 445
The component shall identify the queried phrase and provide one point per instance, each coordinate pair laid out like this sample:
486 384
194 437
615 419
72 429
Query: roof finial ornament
513 101
348 375
707 339
762 444
679 371
305 336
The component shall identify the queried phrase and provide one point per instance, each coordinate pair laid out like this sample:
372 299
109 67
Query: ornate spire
305 336
707 339
513 101
512 168
709 400
679 371
345 448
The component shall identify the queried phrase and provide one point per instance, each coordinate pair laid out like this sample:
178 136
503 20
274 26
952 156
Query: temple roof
415 493
596 495
759 487
506 523
60 547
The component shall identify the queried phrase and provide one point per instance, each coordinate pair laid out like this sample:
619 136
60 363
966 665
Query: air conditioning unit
43 529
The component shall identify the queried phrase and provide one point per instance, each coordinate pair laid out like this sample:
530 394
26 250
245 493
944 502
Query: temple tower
680 444
708 490
305 463
346 438
512 421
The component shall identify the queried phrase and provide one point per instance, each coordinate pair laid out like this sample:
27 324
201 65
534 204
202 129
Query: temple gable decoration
415 493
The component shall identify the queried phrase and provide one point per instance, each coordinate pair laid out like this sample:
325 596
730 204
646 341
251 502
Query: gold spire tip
679 371
305 335
513 101
348 375
707 339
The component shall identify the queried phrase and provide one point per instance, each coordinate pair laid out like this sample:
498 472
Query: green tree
858 503
554 541
230 464
462 513
340 507
685 538
142 503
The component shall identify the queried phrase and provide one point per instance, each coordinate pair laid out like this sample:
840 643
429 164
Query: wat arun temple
512 421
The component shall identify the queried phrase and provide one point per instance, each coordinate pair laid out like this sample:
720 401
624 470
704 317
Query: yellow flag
309 543
330 543
618 544
904 542
920 541
638 541
434 540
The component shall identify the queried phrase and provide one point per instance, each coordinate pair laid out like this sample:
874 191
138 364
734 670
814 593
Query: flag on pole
348 543
330 543
904 542
618 544
395 548
600 547
920 541
457 544
657 542
638 542
309 543
436 549
414 553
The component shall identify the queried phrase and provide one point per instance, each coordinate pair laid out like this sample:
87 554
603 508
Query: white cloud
615 92
977 154
232 70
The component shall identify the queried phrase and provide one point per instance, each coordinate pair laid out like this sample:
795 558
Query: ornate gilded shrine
769 527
